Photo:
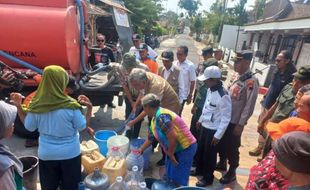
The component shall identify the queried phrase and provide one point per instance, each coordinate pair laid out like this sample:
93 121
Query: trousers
229 147
206 154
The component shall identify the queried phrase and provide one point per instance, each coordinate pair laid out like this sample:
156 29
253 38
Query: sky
206 4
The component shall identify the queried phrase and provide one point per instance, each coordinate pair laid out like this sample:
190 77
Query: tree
145 13
197 26
191 6
258 9
240 13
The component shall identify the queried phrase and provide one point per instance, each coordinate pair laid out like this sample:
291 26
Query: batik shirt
161 126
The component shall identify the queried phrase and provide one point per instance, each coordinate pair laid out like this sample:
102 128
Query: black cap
136 37
143 46
167 55
303 73
245 54
207 50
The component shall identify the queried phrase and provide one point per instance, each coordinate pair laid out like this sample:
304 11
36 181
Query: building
284 25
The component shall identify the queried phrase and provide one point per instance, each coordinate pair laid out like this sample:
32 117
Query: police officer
243 92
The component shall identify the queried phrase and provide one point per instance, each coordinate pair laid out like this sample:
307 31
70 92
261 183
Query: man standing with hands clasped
215 117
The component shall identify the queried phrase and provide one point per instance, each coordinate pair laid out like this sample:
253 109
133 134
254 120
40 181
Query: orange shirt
152 65
276 130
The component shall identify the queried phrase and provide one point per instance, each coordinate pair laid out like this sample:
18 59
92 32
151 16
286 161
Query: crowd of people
219 117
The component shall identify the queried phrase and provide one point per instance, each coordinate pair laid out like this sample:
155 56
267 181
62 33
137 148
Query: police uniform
243 91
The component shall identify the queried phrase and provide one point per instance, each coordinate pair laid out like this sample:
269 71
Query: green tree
240 13
197 26
169 20
191 6
145 13
258 9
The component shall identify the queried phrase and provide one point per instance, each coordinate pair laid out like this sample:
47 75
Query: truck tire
21 131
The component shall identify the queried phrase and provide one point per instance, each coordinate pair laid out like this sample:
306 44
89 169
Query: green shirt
285 103
201 96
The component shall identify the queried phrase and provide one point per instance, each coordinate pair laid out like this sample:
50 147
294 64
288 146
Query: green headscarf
50 94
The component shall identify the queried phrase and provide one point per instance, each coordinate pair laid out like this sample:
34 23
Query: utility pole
223 11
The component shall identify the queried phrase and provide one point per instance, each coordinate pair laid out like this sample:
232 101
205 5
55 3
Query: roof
274 8
282 10
300 10
95 10
116 5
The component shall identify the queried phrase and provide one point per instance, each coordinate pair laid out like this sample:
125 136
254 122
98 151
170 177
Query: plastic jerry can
88 146
113 167
93 160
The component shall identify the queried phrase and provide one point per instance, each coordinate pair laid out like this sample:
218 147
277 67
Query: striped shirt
161 125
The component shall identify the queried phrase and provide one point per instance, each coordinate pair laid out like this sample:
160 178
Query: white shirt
151 52
189 75
216 113
180 82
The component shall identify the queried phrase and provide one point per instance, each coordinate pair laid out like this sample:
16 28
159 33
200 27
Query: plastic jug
161 184
134 178
88 146
135 158
82 186
142 186
114 166
97 180
119 184
116 153
93 160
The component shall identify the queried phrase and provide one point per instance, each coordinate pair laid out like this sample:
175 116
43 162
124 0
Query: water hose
21 62
82 29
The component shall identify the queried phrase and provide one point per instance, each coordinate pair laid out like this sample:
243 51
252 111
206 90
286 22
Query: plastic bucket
30 171
101 138
119 141
137 143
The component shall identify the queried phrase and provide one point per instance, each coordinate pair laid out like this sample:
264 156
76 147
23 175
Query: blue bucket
101 138
137 143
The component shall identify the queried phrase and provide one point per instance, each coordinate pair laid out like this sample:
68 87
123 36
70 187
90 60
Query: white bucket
119 141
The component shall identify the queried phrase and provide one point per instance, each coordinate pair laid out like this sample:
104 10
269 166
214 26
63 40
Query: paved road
107 118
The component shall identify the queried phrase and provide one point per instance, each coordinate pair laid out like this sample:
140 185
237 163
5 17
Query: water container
190 188
88 146
134 178
93 160
142 186
30 171
113 167
161 184
135 158
119 184
82 186
137 143
115 152
97 180
101 138
119 141
60 32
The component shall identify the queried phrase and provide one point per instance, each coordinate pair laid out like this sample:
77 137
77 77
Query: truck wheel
21 131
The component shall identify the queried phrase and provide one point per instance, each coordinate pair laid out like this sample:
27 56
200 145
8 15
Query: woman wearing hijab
11 169
174 137
59 119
